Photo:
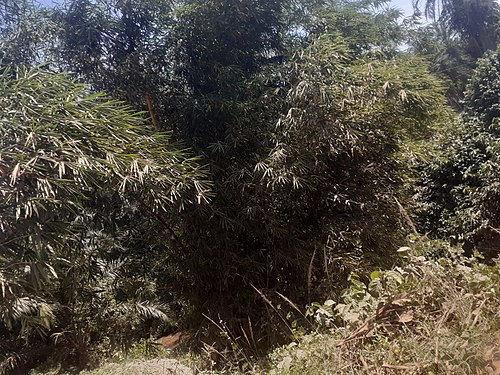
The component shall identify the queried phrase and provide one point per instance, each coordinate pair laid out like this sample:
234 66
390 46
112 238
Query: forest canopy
162 163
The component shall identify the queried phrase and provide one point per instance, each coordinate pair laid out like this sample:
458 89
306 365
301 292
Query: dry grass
432 317
437 315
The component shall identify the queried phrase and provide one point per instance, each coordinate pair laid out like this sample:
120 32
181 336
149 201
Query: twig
494 229
158 218
436 351
149 102
363 361
360 333
405 215
476 317
268 302
395 367
309 275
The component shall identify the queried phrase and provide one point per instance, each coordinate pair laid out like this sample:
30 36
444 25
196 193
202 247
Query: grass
439 314
434 316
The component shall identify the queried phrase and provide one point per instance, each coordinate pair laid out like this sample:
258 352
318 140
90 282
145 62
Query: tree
459 193
448 58
227 95
461 32
25 32
368 27
306 126
476 21
72 165
309 175
119 46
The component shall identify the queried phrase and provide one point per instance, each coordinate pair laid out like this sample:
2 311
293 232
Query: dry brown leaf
406 317
401 302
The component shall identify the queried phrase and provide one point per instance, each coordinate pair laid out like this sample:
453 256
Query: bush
74 169
431 316
460 193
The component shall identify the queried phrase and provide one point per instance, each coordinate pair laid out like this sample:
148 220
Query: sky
404 5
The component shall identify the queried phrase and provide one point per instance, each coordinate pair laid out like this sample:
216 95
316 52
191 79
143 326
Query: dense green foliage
474 21
73 166
301 132
461 192
312 127
448 303
462 31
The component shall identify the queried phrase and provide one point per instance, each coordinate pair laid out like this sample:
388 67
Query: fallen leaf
406 317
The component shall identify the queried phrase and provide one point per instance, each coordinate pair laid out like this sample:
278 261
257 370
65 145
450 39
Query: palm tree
476 21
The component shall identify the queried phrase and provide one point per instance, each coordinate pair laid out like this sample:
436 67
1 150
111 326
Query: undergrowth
439 314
